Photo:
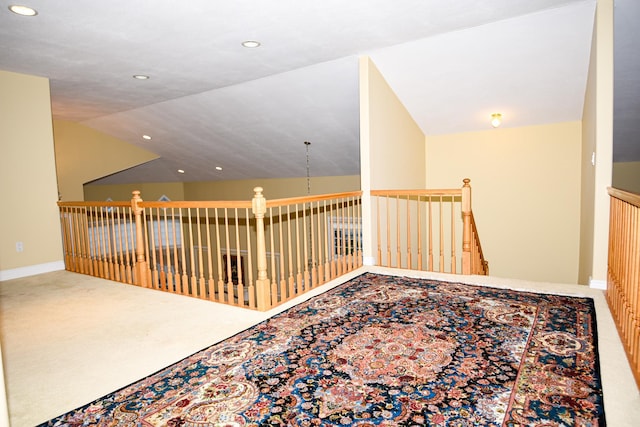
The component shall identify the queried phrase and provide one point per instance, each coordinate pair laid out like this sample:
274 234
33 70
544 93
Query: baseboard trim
368 260
598 284
32 270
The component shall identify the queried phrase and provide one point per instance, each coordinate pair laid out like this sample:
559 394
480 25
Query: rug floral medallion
383 351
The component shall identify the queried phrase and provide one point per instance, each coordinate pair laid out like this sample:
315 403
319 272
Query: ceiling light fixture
180 171
140 77
496 119
147 137
22 10
250 44
218 168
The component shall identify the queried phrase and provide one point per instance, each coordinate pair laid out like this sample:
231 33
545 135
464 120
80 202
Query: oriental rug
383 351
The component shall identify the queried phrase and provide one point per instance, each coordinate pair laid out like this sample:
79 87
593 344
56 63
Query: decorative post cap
259 203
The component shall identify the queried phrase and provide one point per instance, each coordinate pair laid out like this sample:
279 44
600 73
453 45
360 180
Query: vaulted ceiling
210 102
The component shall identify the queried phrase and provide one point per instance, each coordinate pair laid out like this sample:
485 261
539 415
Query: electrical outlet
19 247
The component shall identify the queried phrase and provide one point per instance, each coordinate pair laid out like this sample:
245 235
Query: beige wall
396 143
597 144
84 154
588 170
626 176
28 176
225 190
272 188
149 191
525 195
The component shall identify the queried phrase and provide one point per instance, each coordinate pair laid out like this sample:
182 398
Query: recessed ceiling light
180 171
147 137
22 10
140 77
250 43
218 168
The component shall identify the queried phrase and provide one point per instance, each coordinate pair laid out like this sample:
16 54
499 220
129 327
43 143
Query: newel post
466 226
259 205
141 262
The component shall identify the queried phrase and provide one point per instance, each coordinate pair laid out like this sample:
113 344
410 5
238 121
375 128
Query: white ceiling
210 102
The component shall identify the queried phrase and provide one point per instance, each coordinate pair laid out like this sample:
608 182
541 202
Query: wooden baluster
283 274
192 288
398 237
275 294
239 265
298 288
466 227
219 256
141 262
314 261
164 251
113 243
104 239
326 266
259 206
419 220
177 268
110 249
289 247
202 284
388 208
430 234
128 243
153 264
453 236
84 239
441 264
379 234
249 265
409 260
229 283
343 237
120 241
305 250
211 284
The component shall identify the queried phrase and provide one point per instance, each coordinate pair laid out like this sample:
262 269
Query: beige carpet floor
68 339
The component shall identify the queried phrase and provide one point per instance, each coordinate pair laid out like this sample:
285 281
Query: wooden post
141 262
466 227
259 206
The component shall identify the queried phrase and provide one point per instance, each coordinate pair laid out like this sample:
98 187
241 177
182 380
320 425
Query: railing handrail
440 192
120 203
193 204
272 203
240 204
625 196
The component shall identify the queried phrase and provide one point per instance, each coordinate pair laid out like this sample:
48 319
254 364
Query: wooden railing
254 254
261 253
430 230
623 275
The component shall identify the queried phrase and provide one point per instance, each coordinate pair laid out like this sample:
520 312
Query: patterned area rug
383 351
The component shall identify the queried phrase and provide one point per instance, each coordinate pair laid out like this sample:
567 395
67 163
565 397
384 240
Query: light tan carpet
68 339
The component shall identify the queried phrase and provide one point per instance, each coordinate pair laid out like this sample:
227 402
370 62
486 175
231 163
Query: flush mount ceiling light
22 10
180 171
147 137
250 43
218 168
140 77
496 119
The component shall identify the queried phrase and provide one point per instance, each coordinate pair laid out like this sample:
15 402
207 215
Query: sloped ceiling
211 102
